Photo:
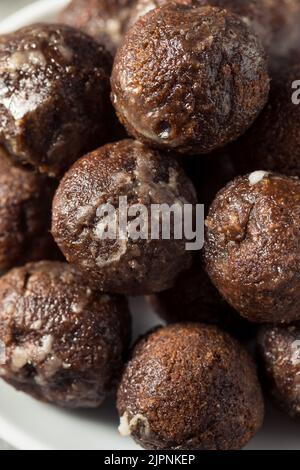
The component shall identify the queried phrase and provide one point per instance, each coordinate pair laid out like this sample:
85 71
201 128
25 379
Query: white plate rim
31 13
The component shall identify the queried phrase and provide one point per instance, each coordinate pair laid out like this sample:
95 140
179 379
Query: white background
10 6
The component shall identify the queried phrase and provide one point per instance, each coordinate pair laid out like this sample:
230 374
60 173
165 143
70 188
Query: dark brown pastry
105 20
64 342
194 298
25 215
276 22
253 246
279 349
189 79
54 100
144 176
273 142
190 386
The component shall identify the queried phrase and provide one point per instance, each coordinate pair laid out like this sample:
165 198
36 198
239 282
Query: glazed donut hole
54 102
190 386
252 246
189 80
65 343
146 177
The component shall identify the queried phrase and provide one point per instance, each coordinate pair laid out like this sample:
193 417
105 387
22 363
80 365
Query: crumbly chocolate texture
105 20
194 298
275 22
279 351
188 79
253 246
64 342
25 215
190 386
144 176
273 142
55 102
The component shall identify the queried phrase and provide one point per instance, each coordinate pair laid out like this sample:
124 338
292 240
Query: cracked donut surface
122 264
253 246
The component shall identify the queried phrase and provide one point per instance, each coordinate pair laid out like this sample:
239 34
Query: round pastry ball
190 386
105 20
189 79
279 350
194 298
273 142
54 102
25 215
115 262
64 342
253 246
